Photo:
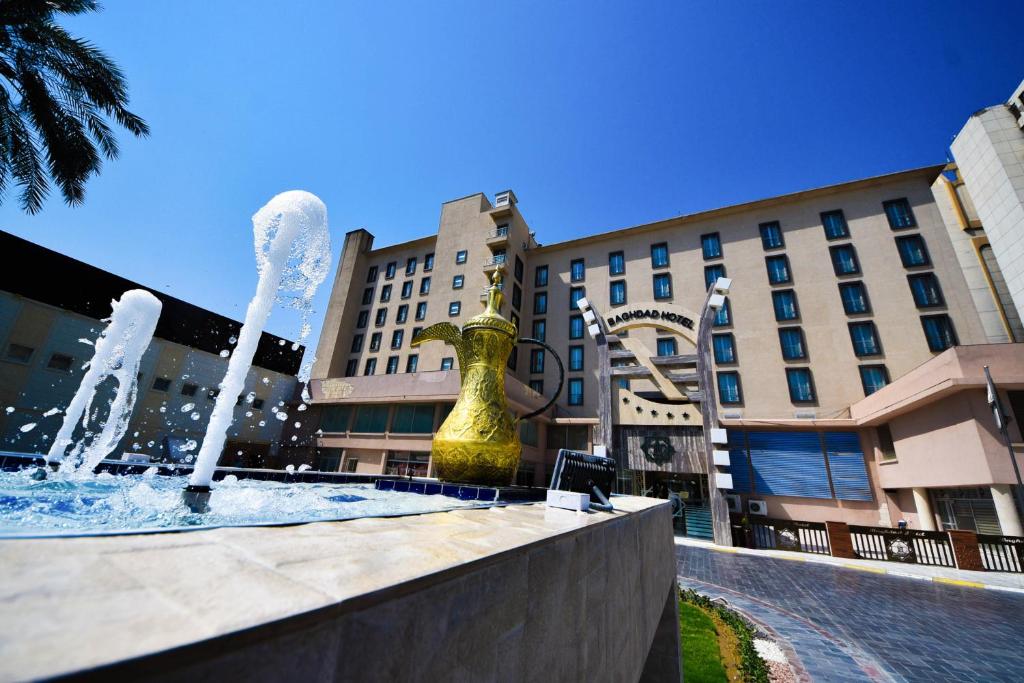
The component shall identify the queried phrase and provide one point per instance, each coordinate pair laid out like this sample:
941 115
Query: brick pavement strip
860 625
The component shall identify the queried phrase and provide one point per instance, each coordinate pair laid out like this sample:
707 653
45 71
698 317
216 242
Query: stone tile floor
849 625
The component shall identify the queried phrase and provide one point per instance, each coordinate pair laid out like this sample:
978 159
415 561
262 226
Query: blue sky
599 115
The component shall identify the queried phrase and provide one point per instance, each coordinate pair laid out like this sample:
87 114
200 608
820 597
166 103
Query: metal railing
785 534
494 261
1001 553
910 546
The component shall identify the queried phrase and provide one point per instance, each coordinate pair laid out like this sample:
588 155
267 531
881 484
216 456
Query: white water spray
293 256
118 354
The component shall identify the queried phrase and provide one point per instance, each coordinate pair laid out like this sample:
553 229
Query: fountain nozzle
196 498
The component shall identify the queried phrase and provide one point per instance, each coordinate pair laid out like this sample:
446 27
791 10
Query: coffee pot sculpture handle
448 333
561 377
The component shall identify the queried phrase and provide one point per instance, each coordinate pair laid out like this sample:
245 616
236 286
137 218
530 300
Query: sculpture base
481 463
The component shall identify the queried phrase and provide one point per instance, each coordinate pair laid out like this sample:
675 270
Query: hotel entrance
688 493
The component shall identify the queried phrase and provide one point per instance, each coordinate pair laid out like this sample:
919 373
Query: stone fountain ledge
522 592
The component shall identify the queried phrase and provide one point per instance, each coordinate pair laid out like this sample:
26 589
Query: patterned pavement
850 625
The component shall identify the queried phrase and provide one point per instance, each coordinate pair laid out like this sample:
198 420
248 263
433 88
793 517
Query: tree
57 96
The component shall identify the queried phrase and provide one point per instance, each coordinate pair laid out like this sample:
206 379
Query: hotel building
847 358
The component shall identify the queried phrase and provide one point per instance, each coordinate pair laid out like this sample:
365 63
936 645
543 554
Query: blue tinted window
540 302
575 294
711 245
844 260
576 327
835 226
938 329
899 214
575 358
771 235
617 292
447 363
729 388
784 302
575 391
537 360
577 271
723 316
912 250
873 378
667 346
801 386
778 269
724 347
539 329
865 339
712 273
925 288
616 263
540 276
659 255
662 286
855 297
791 339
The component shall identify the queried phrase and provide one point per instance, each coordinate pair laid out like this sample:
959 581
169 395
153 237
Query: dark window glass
375 341
899 213
370 367
835 226
938 329
416 418
617 292
855 298
540 276
926 290
659 255
513 357
616 263
575 391
392 366
801 385
778 269
575 294
667 346
540 302
428 264
577 271
396 339
729 388
662 286
389 270
517 296
575 358
425 286
712 273
410 266
371 419
421 310
771 235
576 327
724 347
357 343
518 272
454 308
371 275
784 302
385 293
412 362
403 314
791 339
458 281
912 250
711 246
362 319
537 360
865 339
351 368
537 385
873 378
381 317
447 363
460 256
844 260
367 295
406 289
723 316
539 330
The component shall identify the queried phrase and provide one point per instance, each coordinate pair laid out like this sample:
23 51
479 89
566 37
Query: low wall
522 592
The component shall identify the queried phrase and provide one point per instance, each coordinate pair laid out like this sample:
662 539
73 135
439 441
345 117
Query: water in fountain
119 350
293 257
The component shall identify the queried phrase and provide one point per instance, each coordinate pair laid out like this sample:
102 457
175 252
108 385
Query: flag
993 401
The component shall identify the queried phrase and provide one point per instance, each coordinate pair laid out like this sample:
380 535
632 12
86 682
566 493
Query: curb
962 583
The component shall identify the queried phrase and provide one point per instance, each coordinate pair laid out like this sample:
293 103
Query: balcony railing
495 261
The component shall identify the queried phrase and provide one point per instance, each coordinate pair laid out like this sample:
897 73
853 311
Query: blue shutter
846 463
739 463
788 464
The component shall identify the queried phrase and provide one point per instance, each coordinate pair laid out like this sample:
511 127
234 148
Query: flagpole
1000 416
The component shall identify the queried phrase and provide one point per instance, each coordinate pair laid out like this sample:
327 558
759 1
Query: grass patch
701 660
734 637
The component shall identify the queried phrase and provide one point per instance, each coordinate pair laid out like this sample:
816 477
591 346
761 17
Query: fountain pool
109 504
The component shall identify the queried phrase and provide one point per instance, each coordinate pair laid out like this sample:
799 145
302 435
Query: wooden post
965 550
840 543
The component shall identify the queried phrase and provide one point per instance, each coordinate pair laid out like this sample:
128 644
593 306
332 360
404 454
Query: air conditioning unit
757 507
734 502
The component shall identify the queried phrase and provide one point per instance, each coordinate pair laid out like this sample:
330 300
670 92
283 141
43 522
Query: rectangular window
425 286
723 316
771 235
540 302
19 353
778 269
460 256
835 226
784 302
368 296
662 286
385 294
447 363
712 273
458 281
873 378
498 256
389 270
537 385
513 358
421 310
938 329
406 289
371 274
575 391
161 384
575 294
926 291
375 342
501 230
575 359
791 339
370 367
899 213
540 276
371 419
844 260
352 368
659 255
381 317
410 265
913 252
537 361
428 263
357 343
729 388
711 246
855 298
518 272
539 329
416 332
403 314
396 339
362 319
667 346
617 292
576 327
417 418
517 296
616 263
412 362
392 366
865 339
577 271
454 308
801 385
724 347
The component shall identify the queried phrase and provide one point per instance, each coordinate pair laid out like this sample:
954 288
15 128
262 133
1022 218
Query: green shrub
753 667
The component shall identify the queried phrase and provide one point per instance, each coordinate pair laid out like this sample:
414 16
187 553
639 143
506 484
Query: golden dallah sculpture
478 443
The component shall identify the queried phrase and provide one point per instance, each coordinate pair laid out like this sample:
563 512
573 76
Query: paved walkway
850 625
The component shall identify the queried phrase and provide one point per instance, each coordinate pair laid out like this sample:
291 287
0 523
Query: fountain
118 353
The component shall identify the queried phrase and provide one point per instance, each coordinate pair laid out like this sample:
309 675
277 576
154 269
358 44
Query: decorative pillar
1006 510
925 516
